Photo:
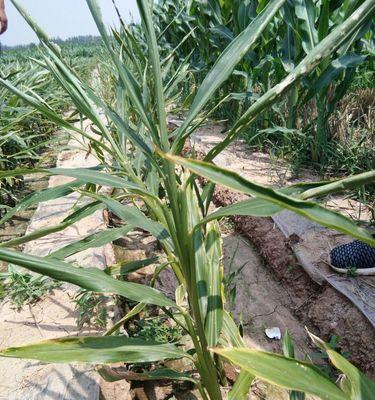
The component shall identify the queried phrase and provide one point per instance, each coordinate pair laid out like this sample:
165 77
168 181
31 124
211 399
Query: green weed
91 308
23 289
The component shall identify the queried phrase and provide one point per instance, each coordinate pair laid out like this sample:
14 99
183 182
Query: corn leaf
158 374
305 12
285 372
125 74
288 350
254 207
308 209
361 387
86 349
85 175
91 241
331 72
145 11
43 195
322 50
95 177
230 332
91 279
71 219
126 268
325 188
133 216
240 389
227 61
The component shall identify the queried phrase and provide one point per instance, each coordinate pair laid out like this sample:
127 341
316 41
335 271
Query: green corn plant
285 42
23 131
138 158
309 22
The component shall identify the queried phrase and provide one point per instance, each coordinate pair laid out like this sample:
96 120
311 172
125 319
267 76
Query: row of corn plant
156 189
24 132
283 44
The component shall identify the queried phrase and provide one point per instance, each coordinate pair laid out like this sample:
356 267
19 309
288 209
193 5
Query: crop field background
291 83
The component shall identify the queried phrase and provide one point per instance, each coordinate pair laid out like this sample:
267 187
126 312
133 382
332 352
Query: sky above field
62 19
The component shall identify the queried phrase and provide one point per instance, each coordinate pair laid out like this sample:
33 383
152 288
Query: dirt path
261 302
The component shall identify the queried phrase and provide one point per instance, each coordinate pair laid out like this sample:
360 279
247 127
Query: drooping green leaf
40 196
308 209
71 219
126 268
326 188
285 372
361 387
133 216
332 71
84 175
158 374
165 373
95 177
254 207
86 349
91 279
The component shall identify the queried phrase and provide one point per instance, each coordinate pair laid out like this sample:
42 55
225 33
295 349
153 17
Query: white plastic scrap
273 333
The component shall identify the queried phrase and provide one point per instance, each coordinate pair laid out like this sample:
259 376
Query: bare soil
320 307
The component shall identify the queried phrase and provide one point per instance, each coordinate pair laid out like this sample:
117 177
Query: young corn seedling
140 159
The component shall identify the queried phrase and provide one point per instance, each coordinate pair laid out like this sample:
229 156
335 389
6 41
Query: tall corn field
24 132
151 184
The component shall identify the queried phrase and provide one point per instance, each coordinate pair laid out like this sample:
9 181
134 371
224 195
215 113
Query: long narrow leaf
305 12
214 317
133 216
285 372
38 197
227 61
310 210
92 241
91 279
233 338
76 216
86 349
361 387
254 207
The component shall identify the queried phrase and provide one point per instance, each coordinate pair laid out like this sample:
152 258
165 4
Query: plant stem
321 129
209 378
